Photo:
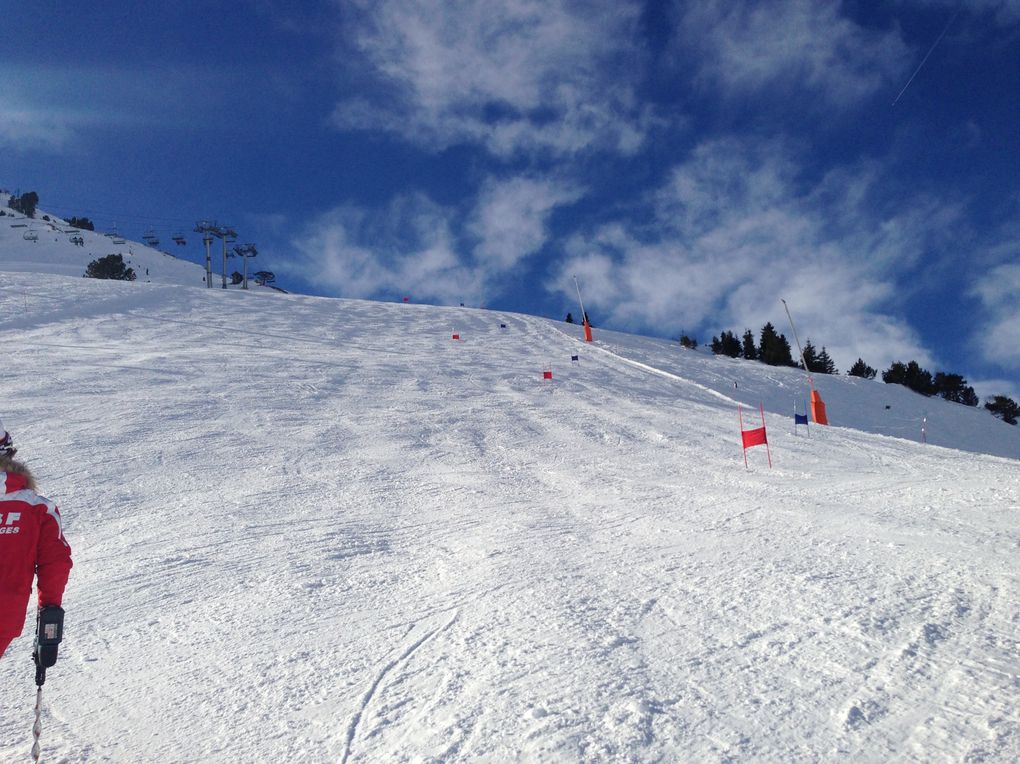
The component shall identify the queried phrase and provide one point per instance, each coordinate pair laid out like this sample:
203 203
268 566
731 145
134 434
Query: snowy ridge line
654 370
404 656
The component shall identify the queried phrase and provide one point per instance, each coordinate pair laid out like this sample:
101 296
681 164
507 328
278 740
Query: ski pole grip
49 631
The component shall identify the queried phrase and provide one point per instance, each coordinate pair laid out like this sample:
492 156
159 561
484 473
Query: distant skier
31 544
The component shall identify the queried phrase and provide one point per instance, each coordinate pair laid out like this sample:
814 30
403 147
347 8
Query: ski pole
49 631
37 727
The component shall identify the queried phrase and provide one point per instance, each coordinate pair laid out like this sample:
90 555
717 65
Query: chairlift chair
179 239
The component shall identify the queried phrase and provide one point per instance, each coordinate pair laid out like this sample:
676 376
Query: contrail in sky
926 55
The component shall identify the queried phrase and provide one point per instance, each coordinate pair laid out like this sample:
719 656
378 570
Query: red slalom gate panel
754 437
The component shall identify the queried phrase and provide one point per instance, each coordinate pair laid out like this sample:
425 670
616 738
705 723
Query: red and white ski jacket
31 542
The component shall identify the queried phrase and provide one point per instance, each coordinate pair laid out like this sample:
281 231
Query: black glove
49 631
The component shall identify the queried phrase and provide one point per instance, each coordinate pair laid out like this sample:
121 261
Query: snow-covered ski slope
50 249
312 530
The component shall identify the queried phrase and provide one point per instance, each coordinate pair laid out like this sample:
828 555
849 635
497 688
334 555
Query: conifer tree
825 364
750 351
811 356
1004 408
83 223
773 348
731 345
726 344
861 369
953 387
25 204
910 375
110 267
896 374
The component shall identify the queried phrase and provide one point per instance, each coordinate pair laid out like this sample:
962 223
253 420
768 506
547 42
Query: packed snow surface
313 530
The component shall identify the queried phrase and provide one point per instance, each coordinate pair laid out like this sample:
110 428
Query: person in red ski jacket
32 544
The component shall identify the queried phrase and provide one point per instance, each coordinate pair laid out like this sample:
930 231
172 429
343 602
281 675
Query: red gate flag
755 437
407 299
546 375
456 336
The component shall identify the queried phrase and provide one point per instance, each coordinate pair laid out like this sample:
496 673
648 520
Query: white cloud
753 47
513 75
735 231
26 129
412 245
406 248
998 335
511 218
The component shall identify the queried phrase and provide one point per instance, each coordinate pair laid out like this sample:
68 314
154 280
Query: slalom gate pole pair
49 631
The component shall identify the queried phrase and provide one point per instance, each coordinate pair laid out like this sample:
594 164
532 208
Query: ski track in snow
314 530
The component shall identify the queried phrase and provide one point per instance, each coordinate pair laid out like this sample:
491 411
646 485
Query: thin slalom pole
767 449
743 448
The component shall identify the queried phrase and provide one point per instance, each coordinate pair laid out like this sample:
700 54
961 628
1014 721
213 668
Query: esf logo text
7 524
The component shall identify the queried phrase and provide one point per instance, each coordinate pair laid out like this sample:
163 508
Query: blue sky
690 163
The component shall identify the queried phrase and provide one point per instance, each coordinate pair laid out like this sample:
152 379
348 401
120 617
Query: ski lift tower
227 235
206 228
246 251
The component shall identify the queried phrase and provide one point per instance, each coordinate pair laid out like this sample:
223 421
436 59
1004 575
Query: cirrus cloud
512 75
740 48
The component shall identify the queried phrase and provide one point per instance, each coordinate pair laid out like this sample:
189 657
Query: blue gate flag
799 419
